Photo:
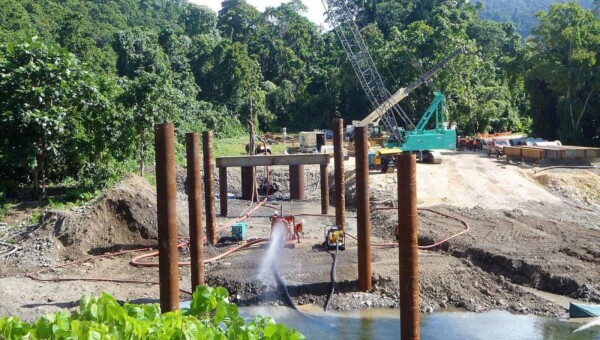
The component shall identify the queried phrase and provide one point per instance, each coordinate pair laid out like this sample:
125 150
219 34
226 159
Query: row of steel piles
167 219
406 232
167 210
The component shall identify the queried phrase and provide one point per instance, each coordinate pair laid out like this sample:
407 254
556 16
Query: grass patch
35 218
230 146
151 179
237 147
4 206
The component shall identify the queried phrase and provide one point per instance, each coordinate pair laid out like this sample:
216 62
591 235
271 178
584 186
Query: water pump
335 237
285 226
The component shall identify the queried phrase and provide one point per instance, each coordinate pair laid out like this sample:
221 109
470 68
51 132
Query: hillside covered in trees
83 81
520 12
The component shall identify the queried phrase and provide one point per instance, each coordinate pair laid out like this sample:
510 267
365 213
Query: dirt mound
583 186
462 180
124 217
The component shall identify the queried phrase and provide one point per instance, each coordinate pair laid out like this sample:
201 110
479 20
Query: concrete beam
267 160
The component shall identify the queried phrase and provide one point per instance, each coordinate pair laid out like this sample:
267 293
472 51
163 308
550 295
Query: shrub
210 316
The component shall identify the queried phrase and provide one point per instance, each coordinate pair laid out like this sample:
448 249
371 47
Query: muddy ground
527 229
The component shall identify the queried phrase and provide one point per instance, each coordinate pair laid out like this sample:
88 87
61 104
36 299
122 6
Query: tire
497 154
384 165
384 169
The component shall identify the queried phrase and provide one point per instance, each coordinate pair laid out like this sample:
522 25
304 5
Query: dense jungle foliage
522 13
83 81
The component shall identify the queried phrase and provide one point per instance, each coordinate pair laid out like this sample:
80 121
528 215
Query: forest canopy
83 81
522 13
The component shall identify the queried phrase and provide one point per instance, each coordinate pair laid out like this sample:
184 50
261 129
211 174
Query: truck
497 147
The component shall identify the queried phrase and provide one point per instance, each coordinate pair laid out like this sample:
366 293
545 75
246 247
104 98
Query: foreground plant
210 316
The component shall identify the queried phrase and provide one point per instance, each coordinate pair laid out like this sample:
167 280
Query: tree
564 55
238 20
198 20
521 13
42 86
151 90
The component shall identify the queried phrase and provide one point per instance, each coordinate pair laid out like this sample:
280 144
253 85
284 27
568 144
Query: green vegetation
236 146
83 82
522 13
4 205
210 316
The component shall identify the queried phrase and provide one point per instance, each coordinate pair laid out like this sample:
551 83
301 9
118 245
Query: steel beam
209 187
268 160
297 191
249 183
362 208
223 191
166 197
324 189
407 235
194 181
340 182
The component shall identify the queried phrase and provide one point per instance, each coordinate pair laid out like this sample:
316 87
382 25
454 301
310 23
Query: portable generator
335 237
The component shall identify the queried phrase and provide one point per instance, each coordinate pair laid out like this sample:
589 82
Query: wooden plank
512 151
535 154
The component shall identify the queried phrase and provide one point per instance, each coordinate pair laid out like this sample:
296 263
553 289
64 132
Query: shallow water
385 324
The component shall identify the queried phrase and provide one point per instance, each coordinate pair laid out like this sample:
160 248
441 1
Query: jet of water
269 259
595 322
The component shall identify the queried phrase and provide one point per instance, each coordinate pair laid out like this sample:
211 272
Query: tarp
577 310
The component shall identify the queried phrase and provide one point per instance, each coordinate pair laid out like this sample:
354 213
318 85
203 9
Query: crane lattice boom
358 54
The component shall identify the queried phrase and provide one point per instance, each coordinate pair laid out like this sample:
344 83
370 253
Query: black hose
333 279
287 299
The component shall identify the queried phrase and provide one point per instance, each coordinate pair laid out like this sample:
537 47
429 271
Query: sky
314 12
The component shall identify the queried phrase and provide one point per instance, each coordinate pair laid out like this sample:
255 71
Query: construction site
514 237
400 217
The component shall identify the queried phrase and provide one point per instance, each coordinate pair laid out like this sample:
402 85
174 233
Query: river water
385 324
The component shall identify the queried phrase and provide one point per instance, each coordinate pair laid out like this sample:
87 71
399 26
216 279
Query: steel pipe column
209 187
363 213
166 198
297 190
324 189
194 180
407 235
223 191
248 182
340 183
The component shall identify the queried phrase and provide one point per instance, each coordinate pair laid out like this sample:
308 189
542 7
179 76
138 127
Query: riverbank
521 234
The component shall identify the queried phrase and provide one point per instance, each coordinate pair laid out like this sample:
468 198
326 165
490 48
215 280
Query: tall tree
42 88
149 91
565 51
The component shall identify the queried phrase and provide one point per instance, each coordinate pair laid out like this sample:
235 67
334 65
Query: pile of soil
122 218
581 186
554 248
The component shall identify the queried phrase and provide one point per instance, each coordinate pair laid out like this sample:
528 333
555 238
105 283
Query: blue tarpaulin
577 310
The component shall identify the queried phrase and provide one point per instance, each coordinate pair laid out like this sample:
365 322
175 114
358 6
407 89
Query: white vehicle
497 147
